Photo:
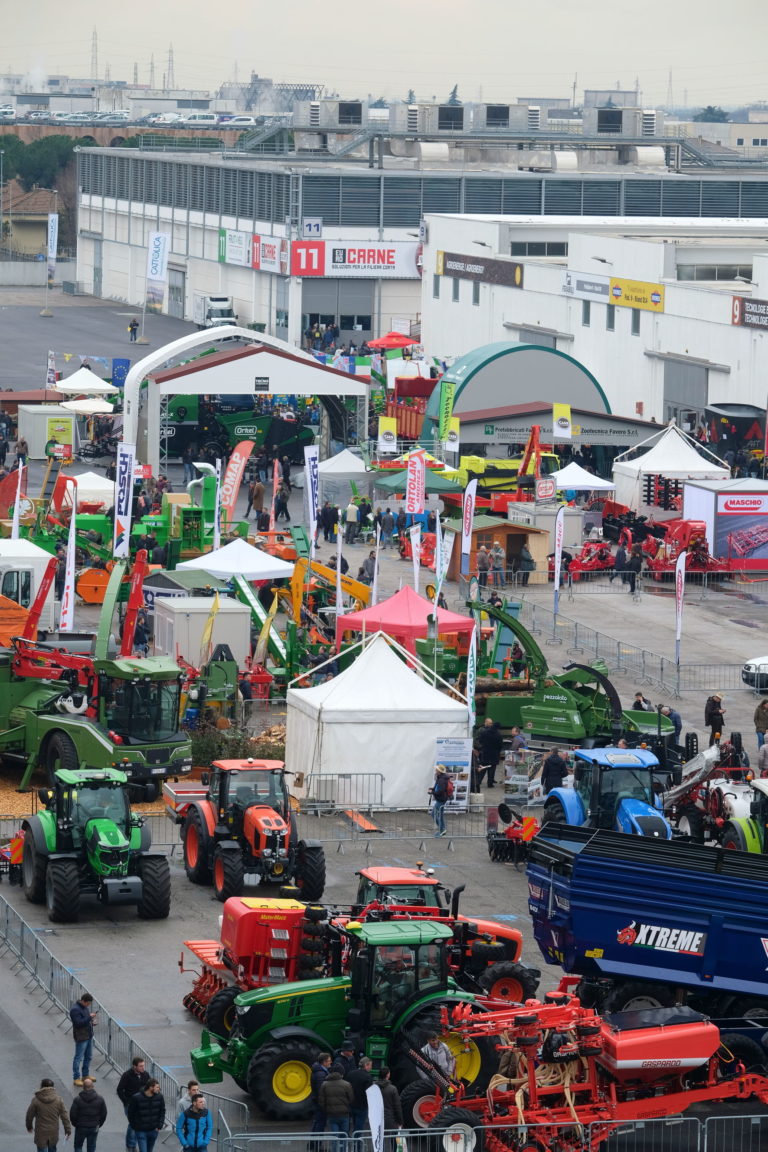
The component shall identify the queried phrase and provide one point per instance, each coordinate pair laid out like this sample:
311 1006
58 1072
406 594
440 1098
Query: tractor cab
613 788
93 815
236 785
394 964
394 886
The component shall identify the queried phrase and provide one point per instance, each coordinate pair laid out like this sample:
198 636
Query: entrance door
685 391
177 290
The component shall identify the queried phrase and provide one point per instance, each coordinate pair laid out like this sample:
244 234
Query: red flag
233 478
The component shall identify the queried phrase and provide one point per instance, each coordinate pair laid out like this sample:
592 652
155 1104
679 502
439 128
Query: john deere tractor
386 1007
86 842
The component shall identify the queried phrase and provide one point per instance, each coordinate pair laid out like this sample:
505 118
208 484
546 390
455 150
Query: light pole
2 227
46 310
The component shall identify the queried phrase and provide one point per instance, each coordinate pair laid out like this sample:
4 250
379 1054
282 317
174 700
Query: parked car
78 118
37 115
755 673
241 122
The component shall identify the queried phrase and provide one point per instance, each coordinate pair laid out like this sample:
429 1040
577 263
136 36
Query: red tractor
239 823
567 1079
270 942
681 536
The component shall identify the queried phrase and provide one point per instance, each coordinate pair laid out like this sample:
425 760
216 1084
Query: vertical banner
260 655
765 442
157 270
415 534
217 509
446 552
561 422
339 600
467 517
375 581
50 372
415 482
53 244
375 1117
679 597
447 390
559 529
120 368
453 439
438 556
472 678
311 485
206 640
126 459
387 442
67 613
275 486
233 478
17 505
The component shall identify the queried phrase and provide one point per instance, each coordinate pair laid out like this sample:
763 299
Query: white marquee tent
85 383
239 558
673 456
92 488
376 717
339 472
576 478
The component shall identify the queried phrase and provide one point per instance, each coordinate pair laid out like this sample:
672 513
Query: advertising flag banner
157 270
339 598
559 529
438 556
50 372
67 613
53 244
206 640
679 597
233 478
311 486
415 481
260 655
387 445
467 517
472 677
275 486
17 505
124 465
415 534
375 1116
561 422
447 390
120 368
453 438
375 581
217 511
765 443
446 552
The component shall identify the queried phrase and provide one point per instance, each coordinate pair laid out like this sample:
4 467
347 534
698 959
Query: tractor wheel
196 844
310 871
737 1049
279 1079
155 903
476 1060
420 1104
220 1013
510 981
460 1124
691 823
554 813
60 752
62 891
315 913
289 892
228 874
636 996
488 951
734 839
33 866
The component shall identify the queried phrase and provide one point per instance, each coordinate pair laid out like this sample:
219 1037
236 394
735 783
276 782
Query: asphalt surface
132 966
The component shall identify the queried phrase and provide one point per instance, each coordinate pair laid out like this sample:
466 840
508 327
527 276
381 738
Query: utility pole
575 81
670 93
170 79
152 70
94 55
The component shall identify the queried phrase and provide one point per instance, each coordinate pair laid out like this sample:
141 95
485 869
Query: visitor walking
45 1110
88 1112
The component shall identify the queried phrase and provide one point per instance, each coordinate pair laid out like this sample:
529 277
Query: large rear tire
734 838
279 1079
420 1104
196 848
476 1060
60 753
62 891
509 981
461 1125
155 903
691 823
310 871
554 813
735 1048
33 868
220 1013
228 874
636 996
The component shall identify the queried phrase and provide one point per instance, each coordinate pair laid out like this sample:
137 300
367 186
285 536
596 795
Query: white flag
217 509
339 600
17 508
446 552
415 534
472 677
467 517
679 597
311 484
67 613
559 529
126 459
375 1116
375 581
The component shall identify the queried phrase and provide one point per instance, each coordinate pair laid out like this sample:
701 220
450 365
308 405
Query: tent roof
90 406
94 482
674 456
577 478
239 558
392 340
85 383
434 482
377 682
344 463
23 548
403 616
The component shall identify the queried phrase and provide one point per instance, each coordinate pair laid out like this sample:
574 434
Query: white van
201 119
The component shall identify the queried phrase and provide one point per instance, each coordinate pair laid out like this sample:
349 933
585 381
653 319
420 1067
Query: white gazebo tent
239 558
85 383
338 473
92 489
577 479
673 456
378 717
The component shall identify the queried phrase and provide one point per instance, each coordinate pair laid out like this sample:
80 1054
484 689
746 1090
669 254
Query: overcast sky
493 49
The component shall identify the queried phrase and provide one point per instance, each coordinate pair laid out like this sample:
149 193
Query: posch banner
397 260
124 465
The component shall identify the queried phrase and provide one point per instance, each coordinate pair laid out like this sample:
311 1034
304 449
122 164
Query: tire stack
313 945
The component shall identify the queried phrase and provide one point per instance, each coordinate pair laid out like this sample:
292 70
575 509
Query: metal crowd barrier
112 1043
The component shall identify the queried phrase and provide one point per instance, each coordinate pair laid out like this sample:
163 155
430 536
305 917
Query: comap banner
233 478
126 458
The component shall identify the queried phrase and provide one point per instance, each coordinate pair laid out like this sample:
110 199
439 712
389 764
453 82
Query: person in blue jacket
194 1126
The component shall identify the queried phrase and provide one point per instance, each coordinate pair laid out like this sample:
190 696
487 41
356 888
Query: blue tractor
613 788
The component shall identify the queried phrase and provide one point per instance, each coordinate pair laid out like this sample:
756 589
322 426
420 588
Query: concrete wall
28 273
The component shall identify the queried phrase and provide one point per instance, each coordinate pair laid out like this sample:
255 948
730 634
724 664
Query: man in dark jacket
393 1111
619 564
320 1070
82 1033
360 1078
554 770
489 744
714 716
45 1111
131 1082
87 1113
194 1126
336 1098
146 1115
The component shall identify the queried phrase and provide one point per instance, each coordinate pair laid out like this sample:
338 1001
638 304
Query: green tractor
749 833
386 1008
87 842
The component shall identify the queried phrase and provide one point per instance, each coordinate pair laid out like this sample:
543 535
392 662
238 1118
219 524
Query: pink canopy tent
403 616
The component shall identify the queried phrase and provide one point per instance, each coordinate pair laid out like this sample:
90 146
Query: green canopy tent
436 484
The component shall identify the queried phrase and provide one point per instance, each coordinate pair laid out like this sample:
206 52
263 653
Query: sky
493 49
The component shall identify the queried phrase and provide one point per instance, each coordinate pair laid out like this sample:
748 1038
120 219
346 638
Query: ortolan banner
387 445
396 260
157 269
415 481
467 517
311 485
561 422
559 529
53 244
233 478
67 613
679 597
126 459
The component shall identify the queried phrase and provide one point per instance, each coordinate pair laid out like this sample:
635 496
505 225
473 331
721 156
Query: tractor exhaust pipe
455 900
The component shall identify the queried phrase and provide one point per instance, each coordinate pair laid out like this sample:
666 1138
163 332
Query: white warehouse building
670 316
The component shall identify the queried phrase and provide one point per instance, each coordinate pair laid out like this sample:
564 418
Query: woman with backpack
441 792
